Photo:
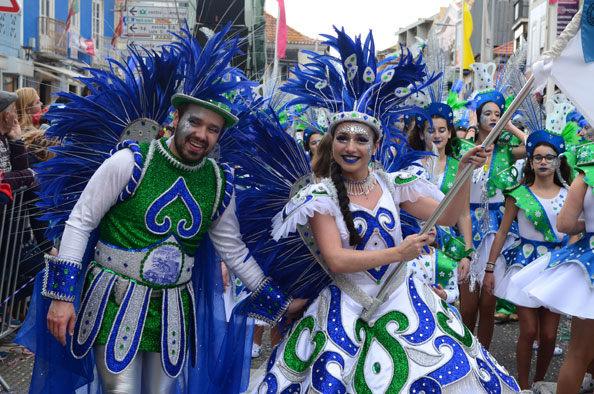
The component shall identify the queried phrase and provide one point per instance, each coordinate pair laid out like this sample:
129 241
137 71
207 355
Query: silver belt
161 266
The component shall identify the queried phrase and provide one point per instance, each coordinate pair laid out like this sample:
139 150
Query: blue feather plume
89 127
353 81
268 162
208 74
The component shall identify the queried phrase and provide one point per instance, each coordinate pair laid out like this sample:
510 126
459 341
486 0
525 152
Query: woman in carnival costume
535 205
151 319
562 280
486 190
435 134
354 218
311 139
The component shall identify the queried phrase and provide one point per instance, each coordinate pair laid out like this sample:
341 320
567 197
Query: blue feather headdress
435 59
136 92
460 108
490 86
209 75
352 87
90 127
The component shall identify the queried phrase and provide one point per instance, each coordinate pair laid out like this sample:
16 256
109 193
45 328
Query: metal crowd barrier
20 261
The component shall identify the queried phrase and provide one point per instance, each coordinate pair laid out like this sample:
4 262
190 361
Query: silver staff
389 285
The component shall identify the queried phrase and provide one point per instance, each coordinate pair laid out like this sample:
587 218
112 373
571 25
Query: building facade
520 26
59 55
16 67
294 55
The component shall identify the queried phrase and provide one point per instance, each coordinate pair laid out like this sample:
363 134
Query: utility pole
486 34
275 74
551 36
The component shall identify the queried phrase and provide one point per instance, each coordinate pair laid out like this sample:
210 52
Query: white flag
75 41
79 43
572 74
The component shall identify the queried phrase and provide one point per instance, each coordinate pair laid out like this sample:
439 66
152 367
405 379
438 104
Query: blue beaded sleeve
60 277
268 302
136 171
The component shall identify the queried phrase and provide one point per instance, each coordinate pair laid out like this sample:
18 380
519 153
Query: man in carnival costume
152 308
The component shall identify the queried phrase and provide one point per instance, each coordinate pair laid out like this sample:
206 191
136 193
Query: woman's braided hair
343 202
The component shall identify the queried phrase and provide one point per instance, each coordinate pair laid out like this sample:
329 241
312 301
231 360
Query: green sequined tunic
127 224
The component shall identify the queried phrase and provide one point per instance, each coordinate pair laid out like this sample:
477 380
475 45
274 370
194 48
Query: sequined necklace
358 188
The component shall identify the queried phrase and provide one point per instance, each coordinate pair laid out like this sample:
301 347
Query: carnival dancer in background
355 223
435 135
562 280
535 205
311 139
486 193
153 301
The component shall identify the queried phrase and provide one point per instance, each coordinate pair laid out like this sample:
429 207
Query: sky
384 17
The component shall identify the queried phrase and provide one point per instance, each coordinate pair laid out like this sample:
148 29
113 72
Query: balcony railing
52 36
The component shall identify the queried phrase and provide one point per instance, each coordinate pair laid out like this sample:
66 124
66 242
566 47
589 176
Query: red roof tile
505 49
293 36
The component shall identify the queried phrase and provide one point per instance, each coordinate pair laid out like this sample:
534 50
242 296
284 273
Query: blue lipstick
350 159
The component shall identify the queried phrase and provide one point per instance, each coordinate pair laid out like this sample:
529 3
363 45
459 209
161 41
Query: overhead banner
566 10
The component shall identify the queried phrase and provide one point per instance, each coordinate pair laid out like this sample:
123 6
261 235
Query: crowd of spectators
22 144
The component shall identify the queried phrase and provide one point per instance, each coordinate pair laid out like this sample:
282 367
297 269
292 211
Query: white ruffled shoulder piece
405 186
319 197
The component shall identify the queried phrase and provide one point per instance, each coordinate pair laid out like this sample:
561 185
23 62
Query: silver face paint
427 132
541 164
484 121
557 162
353 129
356 130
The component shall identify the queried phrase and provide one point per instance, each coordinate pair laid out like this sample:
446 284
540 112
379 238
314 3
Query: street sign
128 20
149 44
150 28
10 6
146 11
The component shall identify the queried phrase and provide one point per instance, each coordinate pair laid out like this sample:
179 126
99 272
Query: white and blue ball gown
562 280
537 223
413 343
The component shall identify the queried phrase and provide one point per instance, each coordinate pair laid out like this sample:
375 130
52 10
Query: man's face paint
197 133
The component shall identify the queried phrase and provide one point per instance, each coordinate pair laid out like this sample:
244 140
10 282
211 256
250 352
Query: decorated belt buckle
162 265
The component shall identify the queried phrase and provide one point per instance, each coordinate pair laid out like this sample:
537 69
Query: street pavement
16 369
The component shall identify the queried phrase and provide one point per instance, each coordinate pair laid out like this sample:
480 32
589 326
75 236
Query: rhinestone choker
358 188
